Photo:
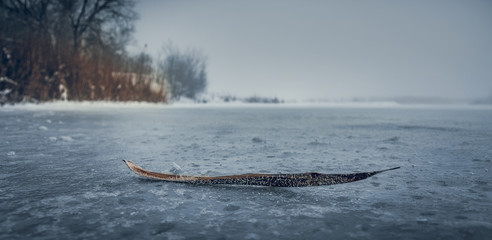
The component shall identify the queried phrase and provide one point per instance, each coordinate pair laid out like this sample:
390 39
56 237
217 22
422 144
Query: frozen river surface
62 175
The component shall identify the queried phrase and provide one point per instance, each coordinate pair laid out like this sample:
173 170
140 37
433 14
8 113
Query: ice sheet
67 180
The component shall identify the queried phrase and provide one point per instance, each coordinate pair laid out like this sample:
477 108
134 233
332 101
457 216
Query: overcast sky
331 49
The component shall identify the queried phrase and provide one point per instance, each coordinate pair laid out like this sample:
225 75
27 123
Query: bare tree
32 14
53 47
105 22
185 73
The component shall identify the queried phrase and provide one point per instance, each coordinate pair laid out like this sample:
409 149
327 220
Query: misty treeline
75 50
185 72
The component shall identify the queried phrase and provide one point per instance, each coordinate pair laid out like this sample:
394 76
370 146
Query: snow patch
42 128
11 153
64 92
66 138
176 169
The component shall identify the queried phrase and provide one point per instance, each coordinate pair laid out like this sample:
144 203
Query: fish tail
389 169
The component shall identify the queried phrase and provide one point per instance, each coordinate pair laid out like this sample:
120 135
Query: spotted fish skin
271 180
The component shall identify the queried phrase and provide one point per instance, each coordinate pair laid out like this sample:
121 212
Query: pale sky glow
331 49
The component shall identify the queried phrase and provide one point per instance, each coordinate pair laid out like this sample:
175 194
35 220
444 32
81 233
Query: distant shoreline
94 105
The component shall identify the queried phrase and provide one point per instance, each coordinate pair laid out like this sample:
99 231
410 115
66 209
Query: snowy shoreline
94 105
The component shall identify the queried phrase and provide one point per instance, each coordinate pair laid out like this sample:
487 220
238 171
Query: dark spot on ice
129 200
258 140
480 160
390 187
428 128
375 184
380 205
194 145
363 227
72 203
317 143
164 227
343 199
231 208
427 214
287 154
392 140
481 182
461 217
32 224
270 156
223 199
417 197
442 183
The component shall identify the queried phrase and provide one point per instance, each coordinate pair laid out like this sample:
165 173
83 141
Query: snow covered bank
103 105
84 105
